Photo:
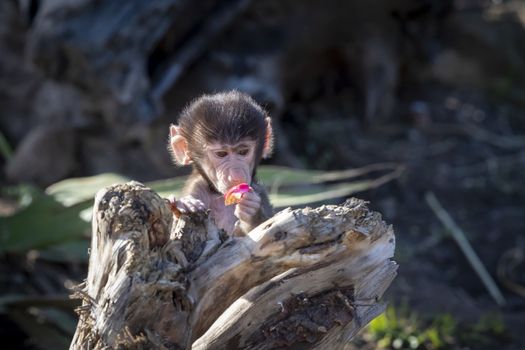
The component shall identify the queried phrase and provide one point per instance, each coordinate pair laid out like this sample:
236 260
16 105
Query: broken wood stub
306 278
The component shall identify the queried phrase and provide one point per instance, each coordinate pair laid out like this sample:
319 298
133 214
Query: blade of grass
77 190
42 223
465 246
329 192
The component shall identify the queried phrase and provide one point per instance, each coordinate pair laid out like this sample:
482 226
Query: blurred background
424 96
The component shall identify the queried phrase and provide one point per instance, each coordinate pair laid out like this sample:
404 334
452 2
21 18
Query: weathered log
306 278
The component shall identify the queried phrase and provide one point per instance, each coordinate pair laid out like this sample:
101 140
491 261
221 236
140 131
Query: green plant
490 328
400 329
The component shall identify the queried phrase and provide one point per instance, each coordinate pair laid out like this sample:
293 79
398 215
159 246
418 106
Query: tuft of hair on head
224 117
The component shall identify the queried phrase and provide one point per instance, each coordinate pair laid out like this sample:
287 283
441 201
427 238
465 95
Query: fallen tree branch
308 277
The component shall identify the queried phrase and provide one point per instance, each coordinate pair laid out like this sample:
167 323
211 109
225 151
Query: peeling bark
306 278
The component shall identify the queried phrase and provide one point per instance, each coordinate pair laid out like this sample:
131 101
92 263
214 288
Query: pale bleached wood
154 284
366 271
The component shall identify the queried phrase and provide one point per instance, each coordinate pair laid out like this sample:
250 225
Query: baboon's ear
179 146
268 139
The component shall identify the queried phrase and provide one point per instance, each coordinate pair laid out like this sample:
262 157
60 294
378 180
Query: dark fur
225 117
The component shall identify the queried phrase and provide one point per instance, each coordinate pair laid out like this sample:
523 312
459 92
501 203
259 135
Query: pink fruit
234 194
